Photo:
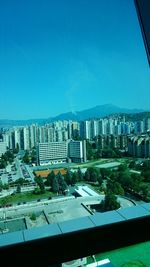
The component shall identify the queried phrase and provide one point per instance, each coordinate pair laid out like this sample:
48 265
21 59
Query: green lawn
24 197
136 254
93 163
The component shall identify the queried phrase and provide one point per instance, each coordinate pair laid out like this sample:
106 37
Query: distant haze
100 111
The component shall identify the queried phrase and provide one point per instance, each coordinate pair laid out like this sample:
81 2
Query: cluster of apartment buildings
139 146
113 132
27 137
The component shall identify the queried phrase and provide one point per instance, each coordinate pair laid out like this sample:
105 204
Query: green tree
33 217
87 175
33 155
79 174
50 178
40 183
61 182
55 185
144 190
18 189
115 188
136 181
108 153
146 175
20 181
110 202
64 186
74 178
3 163
1 186
89 150
68 177
122 168
98 153
93 175
124 178
132 164
37 191
26 158
105 173
100 180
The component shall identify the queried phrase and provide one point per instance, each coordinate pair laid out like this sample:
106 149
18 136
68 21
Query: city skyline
80 55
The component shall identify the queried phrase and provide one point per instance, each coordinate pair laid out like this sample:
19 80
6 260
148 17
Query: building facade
77 151
52 153
139 146
3 148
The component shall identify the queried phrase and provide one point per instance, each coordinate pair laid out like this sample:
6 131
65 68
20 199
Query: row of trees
94 152
29 156
59 183
143 166
123 180
56 184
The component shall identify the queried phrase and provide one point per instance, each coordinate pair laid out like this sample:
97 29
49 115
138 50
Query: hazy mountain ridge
95 112
91 113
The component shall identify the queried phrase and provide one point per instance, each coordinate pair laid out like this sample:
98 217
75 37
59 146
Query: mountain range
99 111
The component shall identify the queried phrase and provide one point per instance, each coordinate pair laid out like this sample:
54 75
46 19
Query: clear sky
70 55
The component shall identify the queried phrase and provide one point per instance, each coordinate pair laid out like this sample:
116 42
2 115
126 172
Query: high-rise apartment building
16 138
85 129
26 141
52 153
94 128
3 147
77 151
139 146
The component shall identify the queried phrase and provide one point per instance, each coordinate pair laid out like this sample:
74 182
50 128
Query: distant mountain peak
99 111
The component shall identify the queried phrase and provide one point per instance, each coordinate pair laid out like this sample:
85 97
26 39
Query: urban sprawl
57 141
51 165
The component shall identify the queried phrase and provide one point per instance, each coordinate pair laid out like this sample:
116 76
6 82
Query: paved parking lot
15 171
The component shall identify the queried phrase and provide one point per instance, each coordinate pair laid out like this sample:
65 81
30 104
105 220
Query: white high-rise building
26 142
33 135
51 134
100 127
94 129
6 138
17 138
3 148
52 153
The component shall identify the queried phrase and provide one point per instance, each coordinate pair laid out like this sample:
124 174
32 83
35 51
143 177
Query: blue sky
69 55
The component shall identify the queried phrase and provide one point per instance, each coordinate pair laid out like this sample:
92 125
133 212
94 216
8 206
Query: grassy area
24 197
92 163
135 255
